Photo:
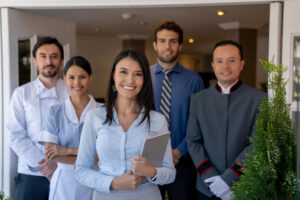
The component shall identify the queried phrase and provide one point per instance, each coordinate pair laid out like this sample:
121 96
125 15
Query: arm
22 145
61 154
84 171
166 172
195 144
182 148
233 173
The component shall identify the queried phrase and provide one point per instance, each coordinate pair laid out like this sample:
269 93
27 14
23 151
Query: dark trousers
30 187
184 186
201 196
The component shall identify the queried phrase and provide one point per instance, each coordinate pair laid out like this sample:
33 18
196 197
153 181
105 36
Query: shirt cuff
45 136
104 184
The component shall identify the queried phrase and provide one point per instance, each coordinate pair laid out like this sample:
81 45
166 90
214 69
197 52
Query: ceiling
200 22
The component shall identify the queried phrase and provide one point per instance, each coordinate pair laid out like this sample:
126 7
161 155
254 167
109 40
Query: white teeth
225 73
128 87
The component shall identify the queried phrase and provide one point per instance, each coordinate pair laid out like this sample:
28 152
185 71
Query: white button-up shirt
28 107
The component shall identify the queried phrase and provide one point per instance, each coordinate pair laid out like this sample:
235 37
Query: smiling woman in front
116 133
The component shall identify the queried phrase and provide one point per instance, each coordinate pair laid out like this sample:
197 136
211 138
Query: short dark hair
47 40
80 62
229 42
145 97
171 26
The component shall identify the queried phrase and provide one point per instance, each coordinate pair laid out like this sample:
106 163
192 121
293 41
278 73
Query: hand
227 195
47 167
127 181
142 167
176 156
53 150
218 187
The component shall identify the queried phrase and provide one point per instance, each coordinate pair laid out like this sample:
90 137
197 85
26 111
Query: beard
167 60
49 73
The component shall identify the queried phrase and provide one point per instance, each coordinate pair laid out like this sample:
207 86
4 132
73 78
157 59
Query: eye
54 56
231 60
139 74
219 61
82 76
174 41
123 72
71 77
161 40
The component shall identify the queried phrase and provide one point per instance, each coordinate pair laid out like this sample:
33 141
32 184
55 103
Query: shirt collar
230 89
71 113
43 92
175 68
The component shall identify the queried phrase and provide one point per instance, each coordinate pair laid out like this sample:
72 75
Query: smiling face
227 64
77 80
167 46
128 78
48 60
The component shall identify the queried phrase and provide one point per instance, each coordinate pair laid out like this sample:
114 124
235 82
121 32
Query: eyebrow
123 68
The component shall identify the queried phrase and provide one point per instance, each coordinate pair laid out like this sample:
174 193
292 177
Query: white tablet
154 148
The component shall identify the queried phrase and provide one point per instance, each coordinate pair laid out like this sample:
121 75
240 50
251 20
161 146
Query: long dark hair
144 98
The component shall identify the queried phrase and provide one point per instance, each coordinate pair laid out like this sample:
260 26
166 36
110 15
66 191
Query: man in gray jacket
220 123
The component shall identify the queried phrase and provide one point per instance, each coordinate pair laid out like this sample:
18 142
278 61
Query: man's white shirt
28 107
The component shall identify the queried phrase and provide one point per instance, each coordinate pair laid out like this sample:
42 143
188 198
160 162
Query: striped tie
165 102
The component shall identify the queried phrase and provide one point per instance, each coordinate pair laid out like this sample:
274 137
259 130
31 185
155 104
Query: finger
209 180
41 161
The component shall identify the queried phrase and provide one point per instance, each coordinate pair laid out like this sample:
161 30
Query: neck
127 106
228 84
49 82
166 65
80 101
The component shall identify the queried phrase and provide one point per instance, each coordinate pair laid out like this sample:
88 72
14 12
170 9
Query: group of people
71 147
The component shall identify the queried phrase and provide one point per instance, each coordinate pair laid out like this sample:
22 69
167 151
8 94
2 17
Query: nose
131 78
48 60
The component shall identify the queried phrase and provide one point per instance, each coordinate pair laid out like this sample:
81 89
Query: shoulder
253 92
156 116
204 93
98 113
24 90
56 110
153 69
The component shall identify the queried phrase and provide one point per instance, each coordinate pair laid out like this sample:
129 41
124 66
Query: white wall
19 25
291 26
261 53
100 51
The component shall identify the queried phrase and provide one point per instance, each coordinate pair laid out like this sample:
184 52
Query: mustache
52 66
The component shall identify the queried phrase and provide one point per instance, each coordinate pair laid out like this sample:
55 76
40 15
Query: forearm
65 159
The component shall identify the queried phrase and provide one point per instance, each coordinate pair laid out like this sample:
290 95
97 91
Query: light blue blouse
62 126
115 148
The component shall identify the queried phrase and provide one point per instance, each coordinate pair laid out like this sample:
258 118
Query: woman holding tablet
116 133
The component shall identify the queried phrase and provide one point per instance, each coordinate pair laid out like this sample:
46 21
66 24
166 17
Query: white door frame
7 84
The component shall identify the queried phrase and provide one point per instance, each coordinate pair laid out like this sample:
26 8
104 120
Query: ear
35 62
155 45
180 47
61 63
242 65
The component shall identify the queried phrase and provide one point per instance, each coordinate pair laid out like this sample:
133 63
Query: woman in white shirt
62 130
116 133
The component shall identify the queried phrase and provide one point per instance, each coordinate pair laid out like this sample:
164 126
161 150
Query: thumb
129 173
210 180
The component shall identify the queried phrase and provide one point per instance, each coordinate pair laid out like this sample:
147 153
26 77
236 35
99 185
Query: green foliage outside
2 196
270 169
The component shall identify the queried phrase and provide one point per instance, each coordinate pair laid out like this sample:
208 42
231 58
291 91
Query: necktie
165 102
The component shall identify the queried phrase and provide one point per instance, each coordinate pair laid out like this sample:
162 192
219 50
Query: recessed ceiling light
142 23
191 40
97 30
220 12
127 16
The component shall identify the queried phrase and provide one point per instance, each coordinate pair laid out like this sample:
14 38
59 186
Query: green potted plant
2 196
270 169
